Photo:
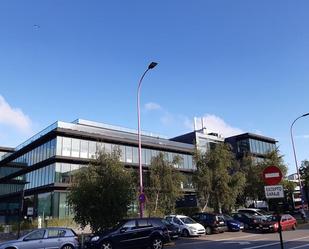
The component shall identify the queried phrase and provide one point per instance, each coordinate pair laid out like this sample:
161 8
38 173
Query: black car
249 221
213 223
132 233
173 231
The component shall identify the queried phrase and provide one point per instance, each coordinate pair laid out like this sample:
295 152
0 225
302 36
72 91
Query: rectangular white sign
30 211
274 191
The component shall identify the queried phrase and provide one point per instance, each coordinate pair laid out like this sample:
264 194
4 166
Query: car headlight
95 238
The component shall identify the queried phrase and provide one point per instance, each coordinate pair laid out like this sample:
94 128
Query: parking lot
247 240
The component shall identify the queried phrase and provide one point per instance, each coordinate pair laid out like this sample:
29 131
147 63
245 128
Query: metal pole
294 152
280 229
141 188
20 213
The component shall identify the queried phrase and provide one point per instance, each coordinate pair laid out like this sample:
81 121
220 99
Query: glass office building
42 168
255 145
44 165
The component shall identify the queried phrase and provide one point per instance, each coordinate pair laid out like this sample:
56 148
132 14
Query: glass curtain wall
80 148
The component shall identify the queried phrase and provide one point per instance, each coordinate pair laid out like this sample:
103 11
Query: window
36 235
92 149
143 223
59 146
84 149
75 147
66 146
129 225
129 157
54 233
135 155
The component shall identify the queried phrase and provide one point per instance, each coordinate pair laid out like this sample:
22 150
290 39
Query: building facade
41 169
248 143
45 164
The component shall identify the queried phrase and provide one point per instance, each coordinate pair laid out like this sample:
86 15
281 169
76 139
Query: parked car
232 224
132 233
250 222
187 226
213 223
173 230
259 214
52 237
287 221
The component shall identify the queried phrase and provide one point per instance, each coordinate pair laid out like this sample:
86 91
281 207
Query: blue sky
243 65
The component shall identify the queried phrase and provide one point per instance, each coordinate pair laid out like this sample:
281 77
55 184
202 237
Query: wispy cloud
14 117
212 122
151 106
216 124
302 136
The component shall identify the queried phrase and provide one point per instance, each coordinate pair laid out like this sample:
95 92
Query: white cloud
14 117
151 106
302 136
216 124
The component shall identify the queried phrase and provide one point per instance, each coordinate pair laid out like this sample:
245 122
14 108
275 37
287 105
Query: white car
187 226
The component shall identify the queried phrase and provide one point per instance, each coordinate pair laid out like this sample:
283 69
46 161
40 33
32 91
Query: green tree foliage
164 186
253 171
217 178
304 175
101 192
304 172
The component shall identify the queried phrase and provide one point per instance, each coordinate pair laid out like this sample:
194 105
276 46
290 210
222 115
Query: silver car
45 238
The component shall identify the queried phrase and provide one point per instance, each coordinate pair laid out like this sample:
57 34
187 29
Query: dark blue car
232 224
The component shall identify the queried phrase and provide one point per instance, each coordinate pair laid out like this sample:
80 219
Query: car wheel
246 227
157 243
106 245
294 227
185 233
67 247
208 230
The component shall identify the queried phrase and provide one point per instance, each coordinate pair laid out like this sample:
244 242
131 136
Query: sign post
272 175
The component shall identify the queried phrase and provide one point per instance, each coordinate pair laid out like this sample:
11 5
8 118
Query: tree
304 175
101 192
164 185
217 178
253 171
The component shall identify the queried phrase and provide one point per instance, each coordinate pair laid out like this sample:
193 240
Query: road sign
142 197
274 191
30 211
272 175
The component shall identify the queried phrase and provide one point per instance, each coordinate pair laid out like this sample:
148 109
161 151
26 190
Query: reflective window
92 149
59 146
129 156
84 149
66 146
75 147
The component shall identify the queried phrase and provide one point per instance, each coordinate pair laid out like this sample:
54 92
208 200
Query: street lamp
297 170
141 197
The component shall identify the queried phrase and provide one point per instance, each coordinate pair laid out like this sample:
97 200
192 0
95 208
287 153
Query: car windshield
227 217
166 222
119 224
272 218
263 212
187 220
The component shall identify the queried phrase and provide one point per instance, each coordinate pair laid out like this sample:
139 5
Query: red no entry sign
272 175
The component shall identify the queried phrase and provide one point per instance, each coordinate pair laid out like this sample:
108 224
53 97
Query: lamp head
153 64
306 114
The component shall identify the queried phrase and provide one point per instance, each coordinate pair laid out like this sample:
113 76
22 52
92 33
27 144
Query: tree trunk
206 203
157 200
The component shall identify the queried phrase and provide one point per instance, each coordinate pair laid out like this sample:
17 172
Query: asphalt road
245 240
